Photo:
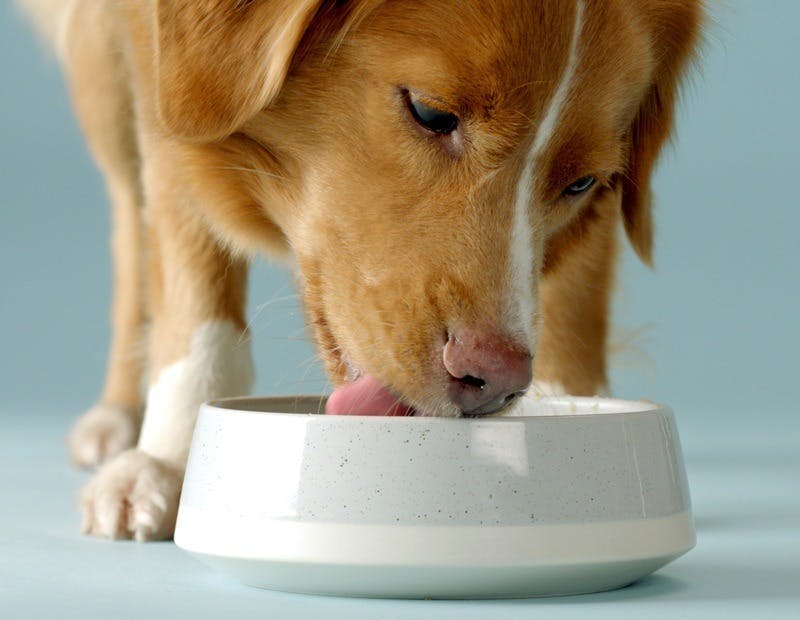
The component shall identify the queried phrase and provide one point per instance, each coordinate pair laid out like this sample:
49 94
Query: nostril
488 371
472 381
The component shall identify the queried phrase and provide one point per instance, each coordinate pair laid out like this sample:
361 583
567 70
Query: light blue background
712 331
715 326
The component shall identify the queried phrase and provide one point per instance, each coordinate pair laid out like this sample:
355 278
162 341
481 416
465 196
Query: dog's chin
367 395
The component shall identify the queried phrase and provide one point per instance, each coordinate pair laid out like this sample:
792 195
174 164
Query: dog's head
419 157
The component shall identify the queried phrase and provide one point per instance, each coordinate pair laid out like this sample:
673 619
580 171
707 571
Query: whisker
260 309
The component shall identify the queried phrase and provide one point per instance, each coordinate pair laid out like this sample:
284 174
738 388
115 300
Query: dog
446 178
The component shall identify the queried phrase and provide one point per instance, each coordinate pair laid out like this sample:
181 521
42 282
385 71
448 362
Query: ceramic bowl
569 495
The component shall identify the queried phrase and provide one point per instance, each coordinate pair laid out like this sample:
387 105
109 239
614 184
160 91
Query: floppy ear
674 27
218 62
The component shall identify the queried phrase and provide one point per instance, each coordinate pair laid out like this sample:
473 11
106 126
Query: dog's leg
112 425
101 97
199 350
575 296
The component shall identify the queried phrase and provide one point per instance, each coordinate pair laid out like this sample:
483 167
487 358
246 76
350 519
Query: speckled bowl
569 495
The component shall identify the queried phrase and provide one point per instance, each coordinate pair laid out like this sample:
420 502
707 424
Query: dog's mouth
367 396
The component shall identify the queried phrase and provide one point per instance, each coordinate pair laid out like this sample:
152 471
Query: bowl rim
316 402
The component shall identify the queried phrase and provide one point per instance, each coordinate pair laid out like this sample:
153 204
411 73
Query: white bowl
571 495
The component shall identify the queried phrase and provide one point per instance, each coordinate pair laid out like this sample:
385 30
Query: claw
133 496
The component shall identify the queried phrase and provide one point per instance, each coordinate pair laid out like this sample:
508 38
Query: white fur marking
523 258
548 125
219 364
540 389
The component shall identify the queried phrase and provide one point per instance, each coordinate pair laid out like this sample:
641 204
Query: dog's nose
487 371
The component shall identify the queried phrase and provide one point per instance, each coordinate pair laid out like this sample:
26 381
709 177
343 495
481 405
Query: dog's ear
218 62
674 27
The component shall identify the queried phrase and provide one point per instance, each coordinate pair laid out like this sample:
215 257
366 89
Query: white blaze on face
524 259
218 364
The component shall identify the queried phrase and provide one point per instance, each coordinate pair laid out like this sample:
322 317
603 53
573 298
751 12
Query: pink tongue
366 396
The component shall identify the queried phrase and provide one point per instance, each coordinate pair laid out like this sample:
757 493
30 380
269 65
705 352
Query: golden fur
227 128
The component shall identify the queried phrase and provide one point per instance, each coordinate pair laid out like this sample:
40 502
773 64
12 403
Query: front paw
133 496
102 432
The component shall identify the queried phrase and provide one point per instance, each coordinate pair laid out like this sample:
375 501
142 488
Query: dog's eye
579 186
430 118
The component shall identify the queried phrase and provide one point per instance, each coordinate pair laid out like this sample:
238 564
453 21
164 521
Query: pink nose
487 371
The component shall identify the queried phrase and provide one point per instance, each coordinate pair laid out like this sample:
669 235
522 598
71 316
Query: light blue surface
717 326
746 564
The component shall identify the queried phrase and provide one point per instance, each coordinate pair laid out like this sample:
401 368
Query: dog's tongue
366 396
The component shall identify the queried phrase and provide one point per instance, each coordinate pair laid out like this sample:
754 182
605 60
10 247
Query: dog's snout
487 372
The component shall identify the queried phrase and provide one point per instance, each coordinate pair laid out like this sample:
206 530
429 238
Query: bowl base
386 561
436 582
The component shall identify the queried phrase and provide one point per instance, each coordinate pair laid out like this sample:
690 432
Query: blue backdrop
713 330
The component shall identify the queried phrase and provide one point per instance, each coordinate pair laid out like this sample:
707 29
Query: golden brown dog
447 177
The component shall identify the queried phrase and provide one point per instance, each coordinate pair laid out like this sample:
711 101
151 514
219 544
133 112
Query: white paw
102 432
133 496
